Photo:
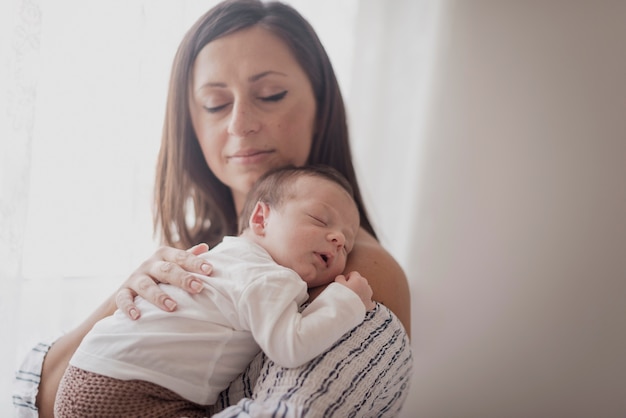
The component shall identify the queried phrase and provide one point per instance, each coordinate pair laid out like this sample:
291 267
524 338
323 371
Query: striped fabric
26 383
367 373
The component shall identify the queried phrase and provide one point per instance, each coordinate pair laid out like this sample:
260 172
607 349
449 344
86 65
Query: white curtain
82 95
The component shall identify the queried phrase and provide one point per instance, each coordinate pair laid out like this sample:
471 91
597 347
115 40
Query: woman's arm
384 274
59 356
168 264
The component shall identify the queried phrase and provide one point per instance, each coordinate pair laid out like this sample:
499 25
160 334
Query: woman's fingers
199 249
176 274
189 259
124 299
167 265
174 266
148 289
145 287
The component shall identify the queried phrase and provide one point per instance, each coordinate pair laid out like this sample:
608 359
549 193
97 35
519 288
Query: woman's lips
249 156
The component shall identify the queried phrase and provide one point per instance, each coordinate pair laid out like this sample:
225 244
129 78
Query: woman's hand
167 265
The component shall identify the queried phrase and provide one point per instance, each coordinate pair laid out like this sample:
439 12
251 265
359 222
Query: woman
253 89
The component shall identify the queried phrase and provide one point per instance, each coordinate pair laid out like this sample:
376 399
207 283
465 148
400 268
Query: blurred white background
489 137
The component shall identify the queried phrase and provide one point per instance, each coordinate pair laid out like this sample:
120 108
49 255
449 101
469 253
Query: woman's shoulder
384 274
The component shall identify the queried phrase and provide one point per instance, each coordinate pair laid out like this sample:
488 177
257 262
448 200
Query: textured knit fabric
365 374
197 350
84 394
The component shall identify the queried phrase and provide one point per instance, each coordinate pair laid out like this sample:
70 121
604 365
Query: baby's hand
359 285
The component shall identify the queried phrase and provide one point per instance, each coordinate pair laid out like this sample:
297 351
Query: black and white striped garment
367 373
26 382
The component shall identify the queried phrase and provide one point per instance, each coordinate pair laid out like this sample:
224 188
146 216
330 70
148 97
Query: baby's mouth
326 258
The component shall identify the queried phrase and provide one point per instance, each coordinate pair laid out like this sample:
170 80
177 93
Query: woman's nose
243 120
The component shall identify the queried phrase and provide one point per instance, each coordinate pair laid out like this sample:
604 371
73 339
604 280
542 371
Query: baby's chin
310 280
317 281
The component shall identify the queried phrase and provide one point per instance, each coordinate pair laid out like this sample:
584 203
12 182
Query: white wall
519 239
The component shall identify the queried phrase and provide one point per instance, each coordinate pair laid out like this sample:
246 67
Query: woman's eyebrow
251 79
212 84
259 76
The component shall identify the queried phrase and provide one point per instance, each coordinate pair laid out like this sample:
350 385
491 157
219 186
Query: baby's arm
270 307
359 285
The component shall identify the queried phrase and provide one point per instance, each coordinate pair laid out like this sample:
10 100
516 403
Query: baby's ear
258 219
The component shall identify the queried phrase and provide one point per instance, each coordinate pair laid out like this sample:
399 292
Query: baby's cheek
342 267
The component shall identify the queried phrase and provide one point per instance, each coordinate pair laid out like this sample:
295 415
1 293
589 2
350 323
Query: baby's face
313 232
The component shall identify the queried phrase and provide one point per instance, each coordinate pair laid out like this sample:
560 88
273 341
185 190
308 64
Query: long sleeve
290 338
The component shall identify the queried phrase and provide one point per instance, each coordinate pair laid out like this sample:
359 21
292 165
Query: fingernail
205 268
170 304
196 285
134 314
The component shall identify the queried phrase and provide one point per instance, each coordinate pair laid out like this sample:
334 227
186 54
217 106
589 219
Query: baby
296 230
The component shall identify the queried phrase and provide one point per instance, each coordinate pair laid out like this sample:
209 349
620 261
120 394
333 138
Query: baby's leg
83 393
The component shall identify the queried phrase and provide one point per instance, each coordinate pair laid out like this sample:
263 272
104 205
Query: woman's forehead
246 53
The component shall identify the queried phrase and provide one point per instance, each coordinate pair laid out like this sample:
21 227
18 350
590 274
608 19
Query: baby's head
306 219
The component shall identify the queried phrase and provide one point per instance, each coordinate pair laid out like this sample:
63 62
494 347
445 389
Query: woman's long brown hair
191 204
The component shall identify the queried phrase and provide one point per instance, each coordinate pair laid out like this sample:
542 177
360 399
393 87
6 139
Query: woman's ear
258 219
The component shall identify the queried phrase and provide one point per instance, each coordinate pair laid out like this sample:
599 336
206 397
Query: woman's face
252 108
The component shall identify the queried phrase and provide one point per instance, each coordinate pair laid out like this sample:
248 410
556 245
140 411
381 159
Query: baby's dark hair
276 186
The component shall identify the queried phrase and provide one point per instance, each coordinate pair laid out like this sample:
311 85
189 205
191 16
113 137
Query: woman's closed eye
215 109
275 97
268 99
